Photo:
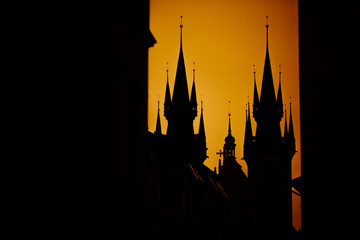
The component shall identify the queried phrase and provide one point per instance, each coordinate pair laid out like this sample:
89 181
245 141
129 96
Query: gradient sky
225 38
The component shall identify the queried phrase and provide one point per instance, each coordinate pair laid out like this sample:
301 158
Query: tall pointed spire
202 137
193 100
256 95
201 125
229 129
291 126
279 100
158 124
229 146
291 138
167 101
267 96
181 92
249 119
181 114
248 128
286 133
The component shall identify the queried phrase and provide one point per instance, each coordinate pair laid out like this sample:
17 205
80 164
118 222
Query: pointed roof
256 95
181 92
267 96
229 129
167 101
158 124
248 128
193 99
279 100
286 133
291 126
201 125
229 136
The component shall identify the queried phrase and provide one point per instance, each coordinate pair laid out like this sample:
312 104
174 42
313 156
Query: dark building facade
329 87
268 155
109 196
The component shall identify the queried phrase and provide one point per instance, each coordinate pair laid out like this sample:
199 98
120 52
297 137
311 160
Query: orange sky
225 38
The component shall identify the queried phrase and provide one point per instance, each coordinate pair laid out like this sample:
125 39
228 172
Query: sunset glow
225 39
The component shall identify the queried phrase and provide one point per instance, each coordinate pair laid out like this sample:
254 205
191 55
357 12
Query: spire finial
158 101
229 109
194 66
267 22
229 130
267 35
280 72
254 68
201 103
167 66
181 27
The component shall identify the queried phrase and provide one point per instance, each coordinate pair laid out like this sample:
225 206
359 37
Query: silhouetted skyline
268 154
225 49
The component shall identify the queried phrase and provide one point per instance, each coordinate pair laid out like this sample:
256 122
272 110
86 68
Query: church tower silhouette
268 154
180 110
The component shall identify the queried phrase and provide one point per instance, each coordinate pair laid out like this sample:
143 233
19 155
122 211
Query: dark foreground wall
329 89
110 197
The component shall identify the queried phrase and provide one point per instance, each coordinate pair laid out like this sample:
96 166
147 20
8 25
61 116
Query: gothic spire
267 96
286 133
248 128
181 92
158 124
201 125
248 118
291 126
229 129
229 139
291 138
256 96
193 100
279 100
167 101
